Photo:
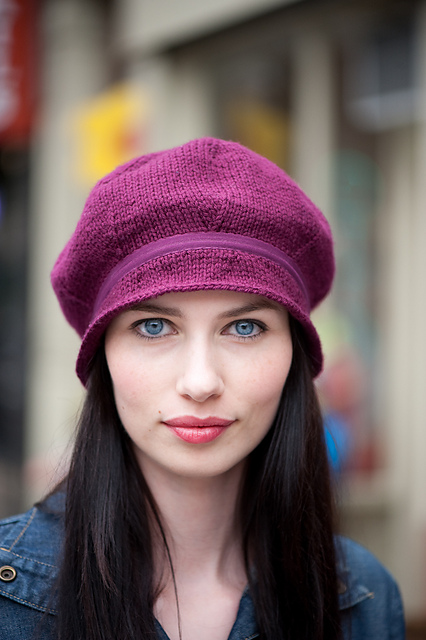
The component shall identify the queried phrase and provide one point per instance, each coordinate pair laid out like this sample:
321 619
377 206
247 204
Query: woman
198 503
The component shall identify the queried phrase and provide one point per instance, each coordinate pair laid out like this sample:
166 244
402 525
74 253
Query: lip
198 430
193 421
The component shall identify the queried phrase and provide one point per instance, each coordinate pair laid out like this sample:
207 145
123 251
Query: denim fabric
31 543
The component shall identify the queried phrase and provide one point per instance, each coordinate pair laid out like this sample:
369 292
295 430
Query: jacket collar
31 544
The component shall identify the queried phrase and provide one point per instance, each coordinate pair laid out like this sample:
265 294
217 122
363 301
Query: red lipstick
198 430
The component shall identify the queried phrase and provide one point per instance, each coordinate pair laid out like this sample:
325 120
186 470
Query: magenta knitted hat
209 214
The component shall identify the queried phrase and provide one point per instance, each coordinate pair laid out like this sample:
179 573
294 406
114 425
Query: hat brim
194 270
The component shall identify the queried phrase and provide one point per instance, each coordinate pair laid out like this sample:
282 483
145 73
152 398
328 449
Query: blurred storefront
18 100
334 92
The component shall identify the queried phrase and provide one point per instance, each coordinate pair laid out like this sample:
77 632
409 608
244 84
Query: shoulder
369 597
30 548
35 535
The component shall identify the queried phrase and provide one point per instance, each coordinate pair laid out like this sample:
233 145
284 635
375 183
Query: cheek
262 387
132 384
268 385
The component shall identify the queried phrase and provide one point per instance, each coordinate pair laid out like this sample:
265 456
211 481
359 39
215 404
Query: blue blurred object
338 441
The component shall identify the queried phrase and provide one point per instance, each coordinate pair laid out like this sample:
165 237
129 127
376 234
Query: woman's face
197 378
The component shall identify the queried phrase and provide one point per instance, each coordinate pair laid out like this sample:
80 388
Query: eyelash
260 325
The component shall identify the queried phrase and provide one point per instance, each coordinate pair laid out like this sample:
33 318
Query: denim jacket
30 545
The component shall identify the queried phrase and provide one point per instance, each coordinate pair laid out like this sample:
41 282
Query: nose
200 377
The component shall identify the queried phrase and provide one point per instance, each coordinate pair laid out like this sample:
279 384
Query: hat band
193 241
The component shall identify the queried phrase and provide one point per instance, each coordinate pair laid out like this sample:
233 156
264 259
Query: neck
200 520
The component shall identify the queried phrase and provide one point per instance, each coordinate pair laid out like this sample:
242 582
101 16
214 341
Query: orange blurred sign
17 69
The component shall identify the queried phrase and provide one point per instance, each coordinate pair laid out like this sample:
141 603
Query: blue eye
152 327
245 327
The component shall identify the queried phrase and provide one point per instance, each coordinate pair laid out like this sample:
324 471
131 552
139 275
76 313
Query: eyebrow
247 308
230 313
157 308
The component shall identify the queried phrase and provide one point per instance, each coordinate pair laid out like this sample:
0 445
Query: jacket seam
31 604
45 564
355 601
23 530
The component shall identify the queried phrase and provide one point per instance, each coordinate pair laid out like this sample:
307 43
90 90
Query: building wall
144 27
73 69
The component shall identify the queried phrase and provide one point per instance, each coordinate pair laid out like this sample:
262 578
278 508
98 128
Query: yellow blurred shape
261 127
109 130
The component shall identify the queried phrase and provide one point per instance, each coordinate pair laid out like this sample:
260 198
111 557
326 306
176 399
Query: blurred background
333 91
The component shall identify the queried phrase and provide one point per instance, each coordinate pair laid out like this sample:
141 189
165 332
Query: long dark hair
106 583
